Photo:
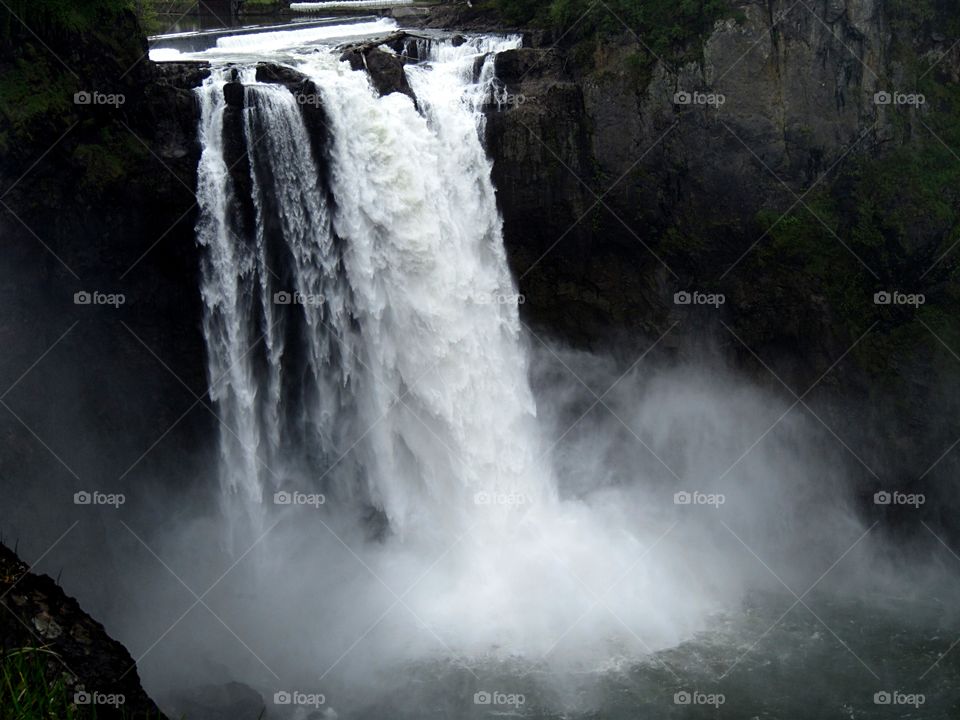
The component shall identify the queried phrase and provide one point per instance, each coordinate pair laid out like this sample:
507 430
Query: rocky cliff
83 666
805 160
104 356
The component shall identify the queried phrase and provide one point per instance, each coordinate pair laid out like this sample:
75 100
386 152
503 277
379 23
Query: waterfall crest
388 321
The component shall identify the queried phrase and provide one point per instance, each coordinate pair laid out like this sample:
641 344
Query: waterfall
369 345
229 275
365 344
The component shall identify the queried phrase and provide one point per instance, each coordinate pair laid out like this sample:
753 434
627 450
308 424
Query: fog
612 570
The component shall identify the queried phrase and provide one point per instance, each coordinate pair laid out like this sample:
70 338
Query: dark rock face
753 173
110 210
104 371
233 95
385 69
38 614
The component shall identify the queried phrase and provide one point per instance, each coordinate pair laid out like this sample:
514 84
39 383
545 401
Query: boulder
385 70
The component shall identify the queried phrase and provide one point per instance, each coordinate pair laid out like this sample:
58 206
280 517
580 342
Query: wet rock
525 64
281 75
385 70
47 626
234 94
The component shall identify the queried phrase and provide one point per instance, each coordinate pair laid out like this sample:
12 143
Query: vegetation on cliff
51 53
667 28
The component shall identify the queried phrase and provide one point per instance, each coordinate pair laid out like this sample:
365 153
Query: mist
608 573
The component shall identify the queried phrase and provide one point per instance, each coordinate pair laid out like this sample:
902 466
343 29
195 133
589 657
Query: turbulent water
390 319
367 363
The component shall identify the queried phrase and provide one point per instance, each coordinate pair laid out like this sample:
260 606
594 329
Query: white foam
345 5
269 42
281 39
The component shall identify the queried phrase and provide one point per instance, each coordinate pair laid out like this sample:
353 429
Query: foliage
30 93
108 160
900 214
665 27
911 17
26 693
55 17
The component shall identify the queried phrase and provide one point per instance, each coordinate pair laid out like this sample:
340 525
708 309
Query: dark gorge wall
102 376
758 163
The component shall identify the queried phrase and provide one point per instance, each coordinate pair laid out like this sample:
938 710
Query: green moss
898 214
30 92
671 29
108 161
56 17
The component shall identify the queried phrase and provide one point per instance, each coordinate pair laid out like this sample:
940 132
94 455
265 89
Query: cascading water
433 295
364 342
229 273
403 295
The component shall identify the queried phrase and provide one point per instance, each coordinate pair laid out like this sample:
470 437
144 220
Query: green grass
26 693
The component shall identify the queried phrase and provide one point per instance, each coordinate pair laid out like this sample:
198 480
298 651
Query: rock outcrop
385 68
98 201
790 168
98 674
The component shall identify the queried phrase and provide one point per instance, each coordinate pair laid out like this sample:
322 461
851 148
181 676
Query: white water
401 380
253 46
443 400
312 7
449 406
228 274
